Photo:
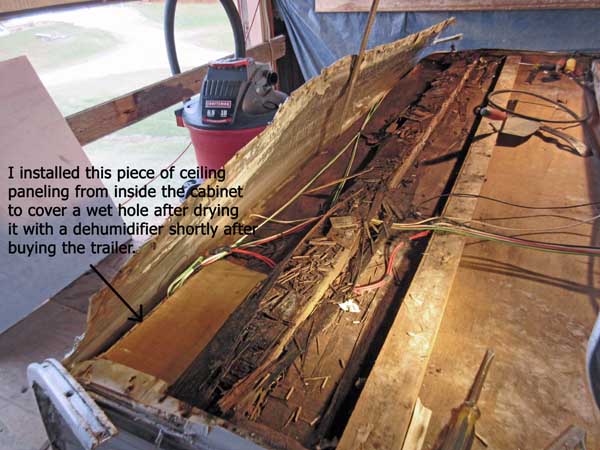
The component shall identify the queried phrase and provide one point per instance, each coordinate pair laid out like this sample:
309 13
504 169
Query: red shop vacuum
237 101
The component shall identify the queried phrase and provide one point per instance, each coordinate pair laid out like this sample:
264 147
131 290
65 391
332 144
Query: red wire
274 237
389 272
268 261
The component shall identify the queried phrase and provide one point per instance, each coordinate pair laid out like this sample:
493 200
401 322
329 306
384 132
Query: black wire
492 199
459 225
576 117
532 241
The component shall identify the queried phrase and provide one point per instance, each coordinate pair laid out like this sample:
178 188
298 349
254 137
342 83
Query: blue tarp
319 39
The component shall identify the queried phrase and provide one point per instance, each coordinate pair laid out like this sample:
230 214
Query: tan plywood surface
169 338
34 134
536 310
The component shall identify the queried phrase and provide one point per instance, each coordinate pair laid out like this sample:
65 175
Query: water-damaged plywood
301 128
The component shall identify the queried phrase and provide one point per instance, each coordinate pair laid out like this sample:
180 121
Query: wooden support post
383 412
357 63
106 118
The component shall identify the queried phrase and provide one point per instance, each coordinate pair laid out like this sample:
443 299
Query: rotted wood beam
240 396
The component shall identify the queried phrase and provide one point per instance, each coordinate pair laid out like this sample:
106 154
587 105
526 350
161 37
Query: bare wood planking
13 6
451 5
113 115
522 303
382 421
261 167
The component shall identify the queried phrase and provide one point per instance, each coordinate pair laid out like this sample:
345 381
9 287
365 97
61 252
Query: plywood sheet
450 5
34 134
536 310
169 338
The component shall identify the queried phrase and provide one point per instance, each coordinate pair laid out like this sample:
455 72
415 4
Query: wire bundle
222 253
438 224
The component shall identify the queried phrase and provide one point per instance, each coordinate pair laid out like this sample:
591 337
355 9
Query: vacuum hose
234 20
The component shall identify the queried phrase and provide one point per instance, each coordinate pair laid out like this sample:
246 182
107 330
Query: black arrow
137 317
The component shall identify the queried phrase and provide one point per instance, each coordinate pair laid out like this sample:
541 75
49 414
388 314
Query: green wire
189 271
340 187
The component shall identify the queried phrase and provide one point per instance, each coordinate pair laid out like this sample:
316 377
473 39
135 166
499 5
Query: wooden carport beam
17 6
113 115
384 409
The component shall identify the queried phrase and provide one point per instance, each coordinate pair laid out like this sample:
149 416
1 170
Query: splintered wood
296 135
294 355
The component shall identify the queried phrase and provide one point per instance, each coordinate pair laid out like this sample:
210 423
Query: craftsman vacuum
237 101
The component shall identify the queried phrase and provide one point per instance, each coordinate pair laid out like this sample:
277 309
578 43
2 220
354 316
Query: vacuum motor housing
238 100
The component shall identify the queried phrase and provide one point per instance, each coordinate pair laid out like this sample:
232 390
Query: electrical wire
274 237
339 180
425 225
540 230
268 261
340 187
320 172
484 235
389 272
203 261
576 117
504 202
284 222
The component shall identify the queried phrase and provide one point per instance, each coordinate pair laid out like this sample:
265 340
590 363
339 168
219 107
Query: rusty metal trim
86 420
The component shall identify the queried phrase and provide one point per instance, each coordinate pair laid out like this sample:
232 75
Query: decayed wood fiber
296 134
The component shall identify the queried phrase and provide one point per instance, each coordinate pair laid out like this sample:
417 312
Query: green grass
77 96
214 37
205 25
68 45
188 16
81 94
152 142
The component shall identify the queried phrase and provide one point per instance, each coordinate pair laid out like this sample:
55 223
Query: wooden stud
106 118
